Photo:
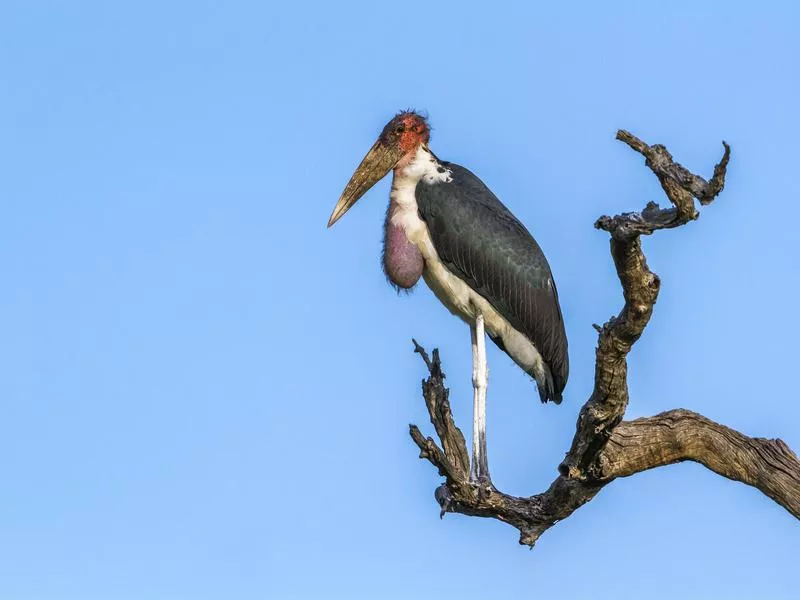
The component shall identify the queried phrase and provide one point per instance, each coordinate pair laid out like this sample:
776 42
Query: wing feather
479 240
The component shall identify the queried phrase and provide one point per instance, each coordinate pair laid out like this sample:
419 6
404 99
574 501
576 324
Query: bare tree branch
606 447
679 435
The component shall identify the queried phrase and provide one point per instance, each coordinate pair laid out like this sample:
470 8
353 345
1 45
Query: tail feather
547 391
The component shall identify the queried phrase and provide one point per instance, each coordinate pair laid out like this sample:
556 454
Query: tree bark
605 446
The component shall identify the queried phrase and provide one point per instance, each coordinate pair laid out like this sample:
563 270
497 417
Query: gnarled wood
605 447
678 435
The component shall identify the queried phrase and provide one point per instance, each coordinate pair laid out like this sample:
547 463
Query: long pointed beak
380 159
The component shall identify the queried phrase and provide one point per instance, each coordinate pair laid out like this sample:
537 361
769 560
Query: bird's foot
482 483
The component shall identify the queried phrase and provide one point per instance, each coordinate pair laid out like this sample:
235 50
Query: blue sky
206 393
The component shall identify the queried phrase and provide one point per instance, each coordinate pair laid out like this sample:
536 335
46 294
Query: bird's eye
400 129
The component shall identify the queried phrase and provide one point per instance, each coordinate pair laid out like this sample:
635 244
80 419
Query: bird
444 225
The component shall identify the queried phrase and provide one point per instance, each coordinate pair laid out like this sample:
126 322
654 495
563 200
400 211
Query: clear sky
205 393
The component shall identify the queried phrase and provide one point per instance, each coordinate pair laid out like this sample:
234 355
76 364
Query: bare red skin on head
416 133
407 131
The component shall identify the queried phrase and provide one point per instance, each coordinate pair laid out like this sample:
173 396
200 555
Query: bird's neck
404 232
420 164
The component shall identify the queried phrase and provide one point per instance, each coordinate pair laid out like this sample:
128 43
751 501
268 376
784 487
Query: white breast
456 295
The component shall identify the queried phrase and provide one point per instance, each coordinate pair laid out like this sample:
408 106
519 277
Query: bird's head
396 146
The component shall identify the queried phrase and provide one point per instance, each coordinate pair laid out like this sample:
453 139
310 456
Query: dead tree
605 446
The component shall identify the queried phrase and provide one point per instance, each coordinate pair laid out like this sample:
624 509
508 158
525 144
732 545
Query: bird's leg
479 472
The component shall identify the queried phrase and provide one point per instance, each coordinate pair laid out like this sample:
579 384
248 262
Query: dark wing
480 241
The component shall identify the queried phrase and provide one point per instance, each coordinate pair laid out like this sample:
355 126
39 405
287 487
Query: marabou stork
445 225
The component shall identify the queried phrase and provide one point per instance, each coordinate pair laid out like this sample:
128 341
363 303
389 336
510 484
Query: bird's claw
483 486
